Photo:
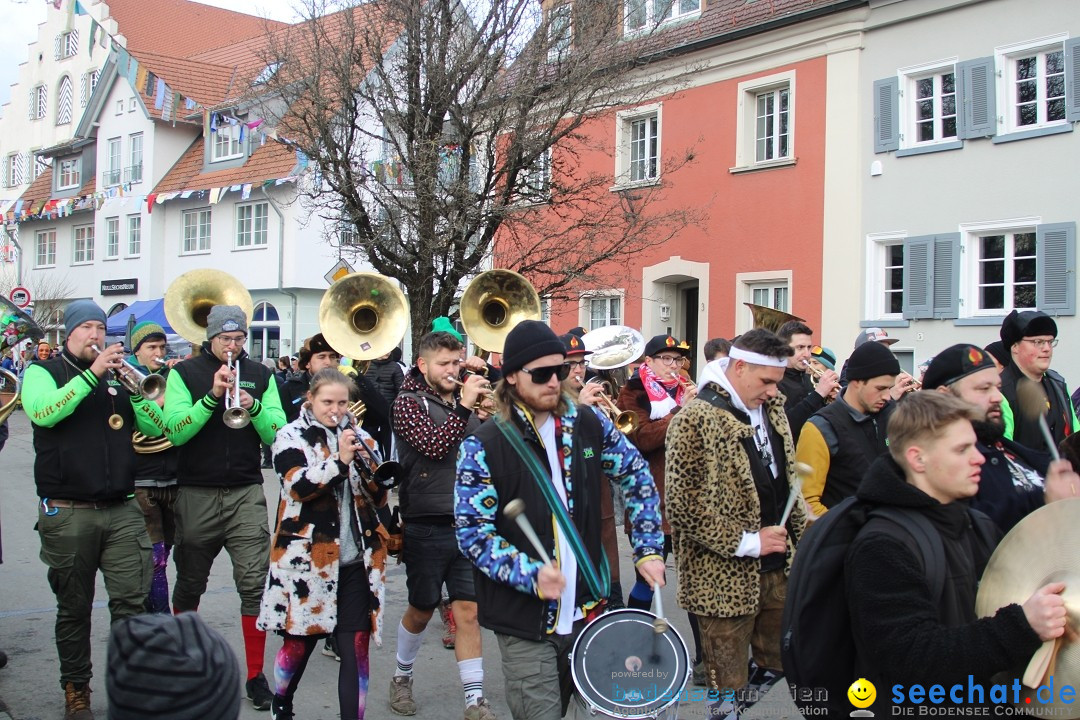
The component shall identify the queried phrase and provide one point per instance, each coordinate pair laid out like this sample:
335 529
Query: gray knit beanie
171 668
82 311
225 318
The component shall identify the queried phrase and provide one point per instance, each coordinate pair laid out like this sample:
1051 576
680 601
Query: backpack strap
911 527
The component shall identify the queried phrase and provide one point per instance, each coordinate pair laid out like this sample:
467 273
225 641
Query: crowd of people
728 472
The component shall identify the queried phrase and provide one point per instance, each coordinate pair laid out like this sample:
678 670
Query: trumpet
816 374
626 422
136 382
487 393
235 416
385 474
686 383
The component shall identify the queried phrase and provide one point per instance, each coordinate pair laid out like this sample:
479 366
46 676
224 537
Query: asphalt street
29 685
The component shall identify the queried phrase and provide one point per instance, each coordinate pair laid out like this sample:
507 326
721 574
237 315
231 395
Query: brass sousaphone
770 318
493 303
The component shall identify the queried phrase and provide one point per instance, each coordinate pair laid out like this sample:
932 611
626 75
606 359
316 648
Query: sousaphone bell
493 304
190 297
364 315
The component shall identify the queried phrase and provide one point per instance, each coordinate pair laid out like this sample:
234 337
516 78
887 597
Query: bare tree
443 132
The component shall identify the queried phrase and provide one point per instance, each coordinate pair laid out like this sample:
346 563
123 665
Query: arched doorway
265 332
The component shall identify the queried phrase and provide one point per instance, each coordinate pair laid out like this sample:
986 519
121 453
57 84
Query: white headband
756 358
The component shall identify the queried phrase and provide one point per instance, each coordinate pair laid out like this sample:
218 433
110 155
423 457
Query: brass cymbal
1041 549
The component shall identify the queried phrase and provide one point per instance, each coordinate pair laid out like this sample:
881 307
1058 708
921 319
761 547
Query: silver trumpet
235 416
135 381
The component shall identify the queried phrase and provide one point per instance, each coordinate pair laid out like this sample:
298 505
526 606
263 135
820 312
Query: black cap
954 363
573 345
313 346
578 331
665 342
997 349
1018 325
530 339
870 360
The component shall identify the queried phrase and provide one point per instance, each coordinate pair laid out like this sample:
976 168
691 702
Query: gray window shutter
978 109
946 276
57 45
886 115
918 264
1055 268
1072 80
32 109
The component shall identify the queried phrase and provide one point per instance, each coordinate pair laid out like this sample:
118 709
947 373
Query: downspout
18 267
281 268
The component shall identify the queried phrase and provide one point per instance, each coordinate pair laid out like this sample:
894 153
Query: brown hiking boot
480 711
77 702
401 699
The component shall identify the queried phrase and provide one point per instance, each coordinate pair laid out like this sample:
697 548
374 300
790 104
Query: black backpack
817 646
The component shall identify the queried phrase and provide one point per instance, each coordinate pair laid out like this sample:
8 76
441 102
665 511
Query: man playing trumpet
802 398
431 416
220 502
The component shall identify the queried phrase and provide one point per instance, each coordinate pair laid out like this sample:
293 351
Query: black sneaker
281 709
258 692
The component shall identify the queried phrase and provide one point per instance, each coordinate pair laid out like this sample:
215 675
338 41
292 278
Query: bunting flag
246 192
140 78
93 35
159 94
215 194
79 9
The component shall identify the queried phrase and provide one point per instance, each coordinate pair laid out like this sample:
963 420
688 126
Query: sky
22 17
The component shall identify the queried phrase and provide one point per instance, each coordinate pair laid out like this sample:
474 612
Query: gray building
969 199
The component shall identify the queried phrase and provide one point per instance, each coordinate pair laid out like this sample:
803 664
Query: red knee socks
254 645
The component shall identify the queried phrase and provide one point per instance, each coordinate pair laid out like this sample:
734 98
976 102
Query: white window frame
225 143
112 238
877 248
135 158
347 235
1005 58
970 233
248 234
746 121
134 235
69 44
41 164
585 304
200 242
676 14
13 170
534 181
41 105
74 182
746 282
909 77
82 249
46 259
131 105
624 123
112 175
560 31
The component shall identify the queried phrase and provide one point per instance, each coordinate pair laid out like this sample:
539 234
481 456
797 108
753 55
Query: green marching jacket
211 453
78 455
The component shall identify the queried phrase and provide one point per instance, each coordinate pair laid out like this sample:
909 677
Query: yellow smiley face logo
862 693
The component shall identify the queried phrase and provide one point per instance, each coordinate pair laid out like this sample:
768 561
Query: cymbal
1041 549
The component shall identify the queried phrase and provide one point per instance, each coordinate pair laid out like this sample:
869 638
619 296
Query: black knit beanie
530 339
870 360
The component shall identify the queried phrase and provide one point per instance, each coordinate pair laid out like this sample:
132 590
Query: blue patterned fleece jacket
477 503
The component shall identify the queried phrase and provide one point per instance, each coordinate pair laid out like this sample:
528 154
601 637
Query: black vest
1058 416
858 444
81 457
159 466
219 456
501 608
427 494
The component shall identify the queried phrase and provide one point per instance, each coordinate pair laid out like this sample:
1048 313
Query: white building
154 184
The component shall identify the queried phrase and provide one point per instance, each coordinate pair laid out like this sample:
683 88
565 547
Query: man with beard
842 440
1029 337
1015 479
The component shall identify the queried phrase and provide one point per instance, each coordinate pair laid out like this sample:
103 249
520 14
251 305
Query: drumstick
515 510
796 490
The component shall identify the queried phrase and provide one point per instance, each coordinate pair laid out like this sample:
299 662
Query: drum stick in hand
515 510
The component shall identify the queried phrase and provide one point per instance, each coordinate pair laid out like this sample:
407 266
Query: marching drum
623 668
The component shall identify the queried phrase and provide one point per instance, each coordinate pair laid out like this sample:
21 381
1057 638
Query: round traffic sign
20 296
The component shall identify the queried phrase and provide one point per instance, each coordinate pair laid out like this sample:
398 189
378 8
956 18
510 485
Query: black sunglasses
541 375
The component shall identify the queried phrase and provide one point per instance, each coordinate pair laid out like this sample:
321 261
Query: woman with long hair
328 552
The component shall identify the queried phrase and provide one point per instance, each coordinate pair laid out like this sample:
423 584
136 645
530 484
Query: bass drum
622 668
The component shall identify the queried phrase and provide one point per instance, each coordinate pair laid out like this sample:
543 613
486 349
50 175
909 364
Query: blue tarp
152 310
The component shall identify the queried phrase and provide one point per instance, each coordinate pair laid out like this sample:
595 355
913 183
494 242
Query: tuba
190 297
493 303
16 326
363 315
770 318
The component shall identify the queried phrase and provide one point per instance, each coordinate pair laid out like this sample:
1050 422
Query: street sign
340 270
20 296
